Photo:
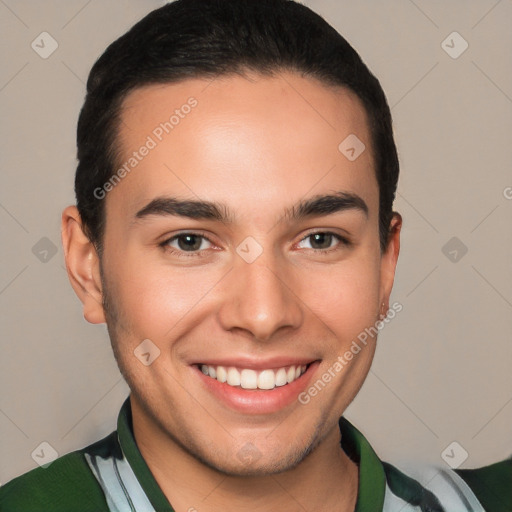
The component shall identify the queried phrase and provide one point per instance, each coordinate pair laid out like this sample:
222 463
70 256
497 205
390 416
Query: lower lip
256 401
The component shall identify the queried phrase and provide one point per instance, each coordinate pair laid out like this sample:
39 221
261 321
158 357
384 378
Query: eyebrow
316 206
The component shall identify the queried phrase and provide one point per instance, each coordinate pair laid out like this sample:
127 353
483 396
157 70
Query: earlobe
82 265
390 258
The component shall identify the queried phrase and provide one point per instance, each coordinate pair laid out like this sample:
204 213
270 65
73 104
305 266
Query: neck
326 480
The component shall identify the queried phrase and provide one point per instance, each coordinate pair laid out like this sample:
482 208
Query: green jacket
111 475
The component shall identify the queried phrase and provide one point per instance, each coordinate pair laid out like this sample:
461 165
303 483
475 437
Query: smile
251 379
256 387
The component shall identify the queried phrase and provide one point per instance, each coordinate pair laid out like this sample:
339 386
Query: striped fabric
123 491
111 475
419 489
427 489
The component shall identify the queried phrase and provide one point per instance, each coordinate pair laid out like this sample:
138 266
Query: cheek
345 297
158 301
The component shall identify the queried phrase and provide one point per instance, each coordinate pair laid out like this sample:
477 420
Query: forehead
252 140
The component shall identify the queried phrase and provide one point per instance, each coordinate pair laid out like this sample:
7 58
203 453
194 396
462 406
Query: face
248 298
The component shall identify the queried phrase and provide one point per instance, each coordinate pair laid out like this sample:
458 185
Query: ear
389 260
82 265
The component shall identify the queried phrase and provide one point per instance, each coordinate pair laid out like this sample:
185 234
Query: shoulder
491 484
65 484
442 488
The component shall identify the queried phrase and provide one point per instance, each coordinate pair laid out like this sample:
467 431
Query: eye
321 241
193 244
183 243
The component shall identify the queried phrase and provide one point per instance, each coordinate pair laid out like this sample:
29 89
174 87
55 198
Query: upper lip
257 364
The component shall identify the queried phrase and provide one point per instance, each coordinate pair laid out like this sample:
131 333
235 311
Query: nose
260 299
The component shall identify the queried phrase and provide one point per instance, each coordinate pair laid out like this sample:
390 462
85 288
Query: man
234 229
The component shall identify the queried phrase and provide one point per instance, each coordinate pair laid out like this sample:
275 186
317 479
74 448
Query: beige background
442 368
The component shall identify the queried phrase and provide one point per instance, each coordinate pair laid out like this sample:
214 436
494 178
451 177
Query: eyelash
344 242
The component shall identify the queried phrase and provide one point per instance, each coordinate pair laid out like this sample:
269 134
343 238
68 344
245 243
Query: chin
260 468
249 461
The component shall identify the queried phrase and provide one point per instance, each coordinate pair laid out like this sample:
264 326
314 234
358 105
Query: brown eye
189 242
186 244
322 241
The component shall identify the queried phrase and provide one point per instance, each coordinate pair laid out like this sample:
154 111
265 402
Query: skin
259 145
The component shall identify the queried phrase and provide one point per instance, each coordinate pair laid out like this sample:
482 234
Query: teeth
281 377
267 380
250 379
222 374
233 377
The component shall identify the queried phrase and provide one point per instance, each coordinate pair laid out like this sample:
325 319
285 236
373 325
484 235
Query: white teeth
281 377
251 379
222 374
267 379
233 377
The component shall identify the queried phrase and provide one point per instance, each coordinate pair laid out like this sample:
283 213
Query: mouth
247 378
254 388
